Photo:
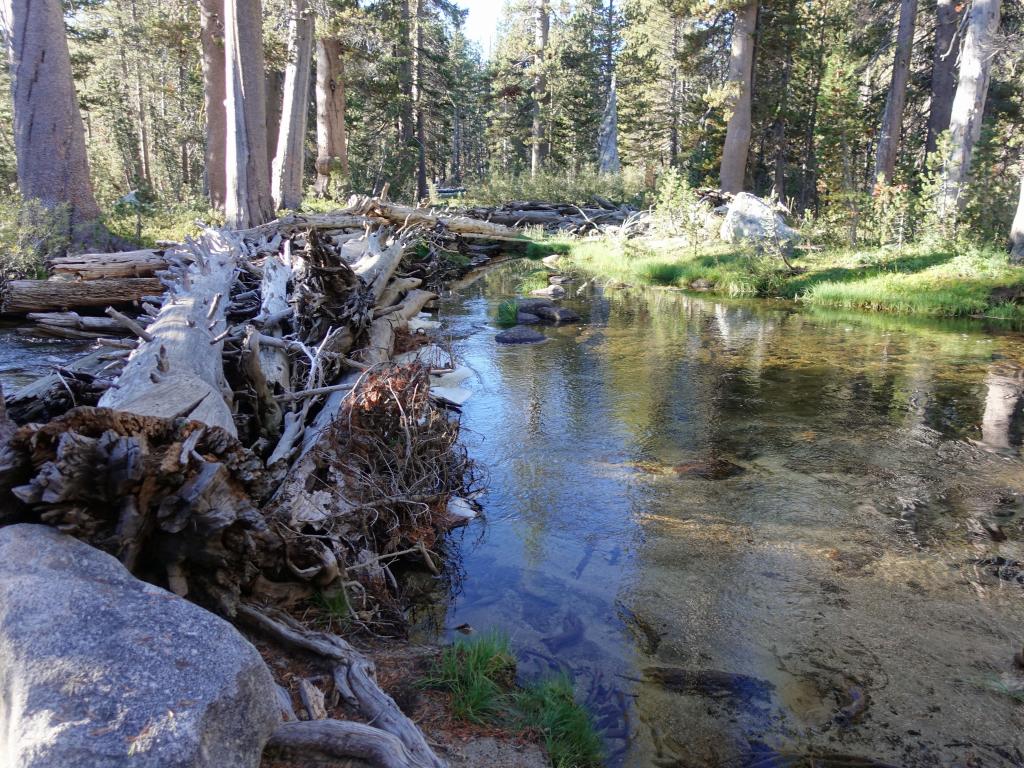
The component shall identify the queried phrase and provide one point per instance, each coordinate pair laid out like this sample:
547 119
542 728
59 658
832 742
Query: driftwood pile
602 217
249 442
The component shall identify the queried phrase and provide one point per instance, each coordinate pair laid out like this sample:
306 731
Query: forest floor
913 279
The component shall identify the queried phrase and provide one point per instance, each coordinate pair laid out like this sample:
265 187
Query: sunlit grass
919 279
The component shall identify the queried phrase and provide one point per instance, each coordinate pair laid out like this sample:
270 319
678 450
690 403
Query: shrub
30 234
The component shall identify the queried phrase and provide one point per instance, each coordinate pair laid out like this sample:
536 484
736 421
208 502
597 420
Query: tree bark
211 36
969 104
331 137
741 64
892 119
275 97
19 297
542 27
943 71
101 266
608 138
248 200
421 131
1017 230
49 137
291 140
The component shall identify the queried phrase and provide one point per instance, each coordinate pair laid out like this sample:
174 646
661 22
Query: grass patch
480 676
508 312
534 281
917 279
477 674
569 735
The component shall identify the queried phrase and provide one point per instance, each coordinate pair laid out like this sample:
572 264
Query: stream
754 535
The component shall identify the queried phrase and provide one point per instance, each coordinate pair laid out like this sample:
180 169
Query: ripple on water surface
853 595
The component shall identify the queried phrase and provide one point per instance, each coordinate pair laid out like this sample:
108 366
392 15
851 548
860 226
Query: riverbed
849 587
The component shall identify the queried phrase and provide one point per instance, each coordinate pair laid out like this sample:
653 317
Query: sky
482 22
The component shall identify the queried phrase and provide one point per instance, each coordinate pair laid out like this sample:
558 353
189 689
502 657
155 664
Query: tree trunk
779 130
1017 230
248 200
211 35
291 141
741 64
101 266
331 138
19 297
542 26
179 371
608 137
892 120
275 97
421 131
969 104
49 137
406 121
943 71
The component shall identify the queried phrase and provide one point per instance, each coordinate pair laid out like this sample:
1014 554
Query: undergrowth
479 674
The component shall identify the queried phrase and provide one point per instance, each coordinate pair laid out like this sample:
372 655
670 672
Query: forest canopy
858 116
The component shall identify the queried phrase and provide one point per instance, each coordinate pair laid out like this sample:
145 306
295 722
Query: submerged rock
709 469
102 670
711 682
520 334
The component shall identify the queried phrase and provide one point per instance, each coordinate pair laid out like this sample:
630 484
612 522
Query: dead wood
19 297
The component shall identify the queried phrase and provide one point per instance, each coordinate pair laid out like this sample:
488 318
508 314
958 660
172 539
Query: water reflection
850 595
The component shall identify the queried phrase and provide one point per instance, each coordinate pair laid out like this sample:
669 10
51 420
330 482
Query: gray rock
102 670
530 305
519 335
702 284
552 291
751 218
560 279
527 318
556 315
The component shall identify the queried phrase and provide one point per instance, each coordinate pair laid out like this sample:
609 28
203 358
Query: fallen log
55 392
407 216
180 371
104 325
104 266
19 297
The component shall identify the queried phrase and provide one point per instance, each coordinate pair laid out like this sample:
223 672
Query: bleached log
104 266
267 365
19 297
180 372
77 321
404 215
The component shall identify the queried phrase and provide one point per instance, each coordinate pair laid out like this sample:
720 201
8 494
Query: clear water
24 357
842 599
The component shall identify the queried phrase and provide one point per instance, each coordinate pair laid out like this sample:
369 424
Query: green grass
918 279
477 673
569 735
508 312
480 676
535 280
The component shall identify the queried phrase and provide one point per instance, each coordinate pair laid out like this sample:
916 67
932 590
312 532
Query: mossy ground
940 281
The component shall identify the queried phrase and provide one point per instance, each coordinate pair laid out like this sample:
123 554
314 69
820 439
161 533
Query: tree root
354 679
340 740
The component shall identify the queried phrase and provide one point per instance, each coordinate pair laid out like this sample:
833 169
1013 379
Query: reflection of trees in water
1004 402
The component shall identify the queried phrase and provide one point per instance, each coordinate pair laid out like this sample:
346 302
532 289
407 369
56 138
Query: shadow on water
841 598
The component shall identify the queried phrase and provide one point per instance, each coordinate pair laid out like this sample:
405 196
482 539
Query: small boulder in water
552 291
556 315
519 335
527 318
530 305
709 469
